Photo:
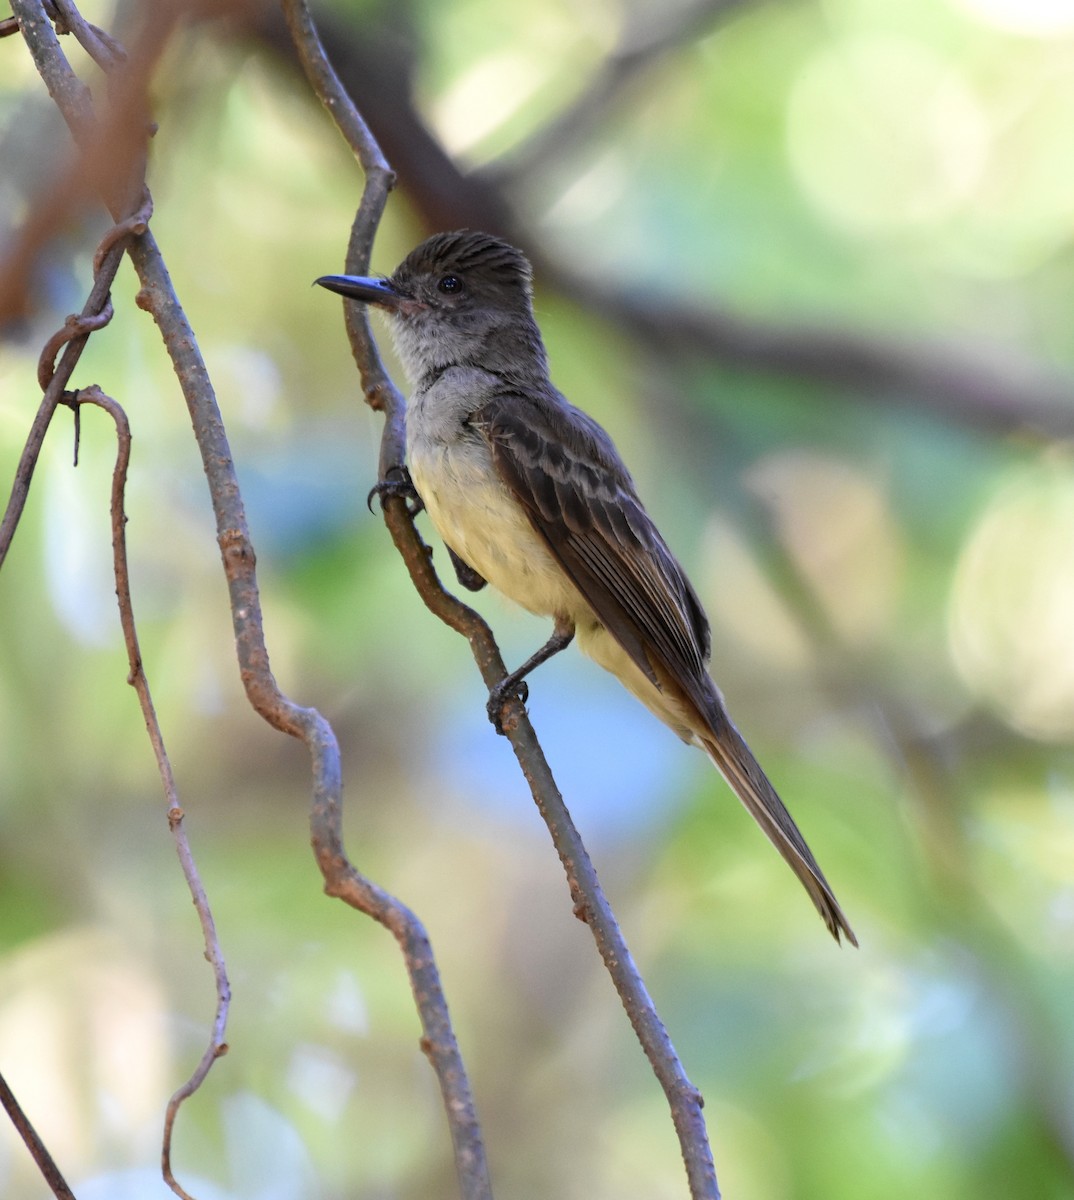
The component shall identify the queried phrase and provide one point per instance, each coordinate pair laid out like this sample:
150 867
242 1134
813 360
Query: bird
530 495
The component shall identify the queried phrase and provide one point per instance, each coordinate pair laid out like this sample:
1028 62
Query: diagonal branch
648 33
39 1151
54 378
590 904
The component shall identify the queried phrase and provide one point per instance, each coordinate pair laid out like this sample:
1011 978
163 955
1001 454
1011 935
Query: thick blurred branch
982 389
647 34
110 153
971 386
590 904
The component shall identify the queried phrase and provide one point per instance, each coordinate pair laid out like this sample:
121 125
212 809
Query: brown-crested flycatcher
530 494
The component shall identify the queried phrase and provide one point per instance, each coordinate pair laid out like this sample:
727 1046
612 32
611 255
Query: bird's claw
398 483
502 697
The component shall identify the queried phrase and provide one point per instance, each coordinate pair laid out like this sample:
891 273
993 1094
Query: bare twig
589 901
380 393
96 313
137 678
105 51
590 905
37 1148
73 337
341 879
73 99
439 1042
377 70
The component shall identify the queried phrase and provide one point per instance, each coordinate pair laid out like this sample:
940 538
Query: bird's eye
450 285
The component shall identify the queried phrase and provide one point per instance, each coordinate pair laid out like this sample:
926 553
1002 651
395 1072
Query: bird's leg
513 686
397 483
465 574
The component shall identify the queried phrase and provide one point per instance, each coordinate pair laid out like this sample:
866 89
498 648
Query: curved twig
341 879
439 1043
105 51
217 1046
72 97
589 901
72 336
76 325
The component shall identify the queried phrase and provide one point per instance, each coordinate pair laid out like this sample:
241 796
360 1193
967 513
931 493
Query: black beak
381 292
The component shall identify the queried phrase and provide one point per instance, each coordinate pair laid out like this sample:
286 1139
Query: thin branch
341 879
589 901
380 393
72 337
37 1148
104 49
439 1043
649 32
590 904
217 1046
127 99
377 70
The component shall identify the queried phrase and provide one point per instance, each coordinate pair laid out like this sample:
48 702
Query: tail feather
735 761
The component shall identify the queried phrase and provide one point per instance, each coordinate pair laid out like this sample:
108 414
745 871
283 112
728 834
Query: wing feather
579 497
565 472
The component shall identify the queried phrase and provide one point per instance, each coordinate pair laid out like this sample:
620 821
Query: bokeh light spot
1010 626
884 133
1039 18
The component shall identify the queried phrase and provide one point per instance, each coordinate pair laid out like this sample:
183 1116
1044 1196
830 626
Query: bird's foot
398 483
507 703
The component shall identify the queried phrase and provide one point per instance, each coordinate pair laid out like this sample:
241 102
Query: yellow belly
478 518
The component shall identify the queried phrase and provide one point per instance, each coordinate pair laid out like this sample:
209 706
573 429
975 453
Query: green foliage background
891 593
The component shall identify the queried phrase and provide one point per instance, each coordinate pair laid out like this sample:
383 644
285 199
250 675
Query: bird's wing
563 469
566 474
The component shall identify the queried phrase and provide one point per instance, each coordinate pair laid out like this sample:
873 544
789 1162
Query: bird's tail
723 743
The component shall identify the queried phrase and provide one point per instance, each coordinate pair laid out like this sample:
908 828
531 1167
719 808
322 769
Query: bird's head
460 298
